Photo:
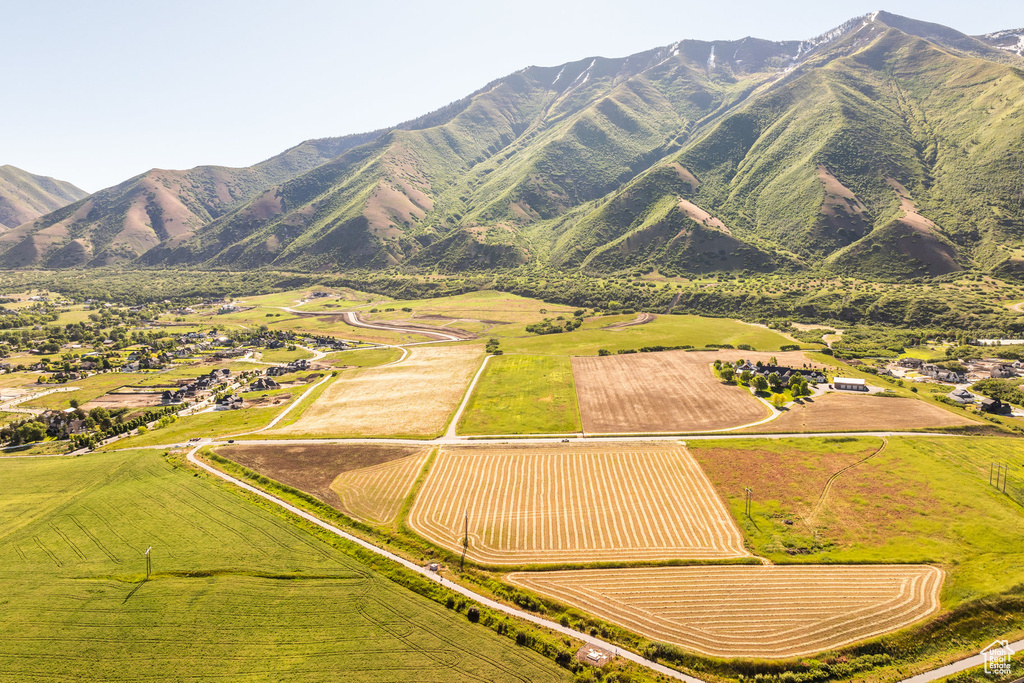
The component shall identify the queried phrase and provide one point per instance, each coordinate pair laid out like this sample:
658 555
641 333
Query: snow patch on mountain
1011 40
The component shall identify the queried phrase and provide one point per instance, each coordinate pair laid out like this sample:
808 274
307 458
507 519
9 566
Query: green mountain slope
886 147
885 143
25 196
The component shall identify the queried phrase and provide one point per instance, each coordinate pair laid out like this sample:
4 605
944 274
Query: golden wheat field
374 494
549 504
413 398
750 611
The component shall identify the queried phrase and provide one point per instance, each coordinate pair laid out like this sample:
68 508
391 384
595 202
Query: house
949 377
1003 371
277 371
172 396
993 406
941 374
130 367
961 396
785 373
910 363
230 403
849 384
264 384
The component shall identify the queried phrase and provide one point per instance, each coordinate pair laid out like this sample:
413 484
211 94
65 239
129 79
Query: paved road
956 667
422 571
450 432
352 318
451 438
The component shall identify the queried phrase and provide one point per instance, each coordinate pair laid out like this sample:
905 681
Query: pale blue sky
96 92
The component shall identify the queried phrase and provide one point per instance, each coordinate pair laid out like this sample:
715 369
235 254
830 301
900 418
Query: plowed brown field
314 468
669 391
535 505
750 611
852 412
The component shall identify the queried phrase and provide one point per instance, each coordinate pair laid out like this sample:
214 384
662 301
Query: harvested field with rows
750 611
316 468
852 412
413 398
375 494
534 505
669 391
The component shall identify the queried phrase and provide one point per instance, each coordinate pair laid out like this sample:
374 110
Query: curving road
352 319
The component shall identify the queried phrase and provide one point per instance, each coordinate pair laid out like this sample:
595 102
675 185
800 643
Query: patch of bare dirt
311 468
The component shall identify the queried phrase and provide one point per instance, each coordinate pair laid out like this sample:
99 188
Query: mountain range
886 147
25 197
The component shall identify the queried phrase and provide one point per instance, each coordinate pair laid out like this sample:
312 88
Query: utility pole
465 540
149 565
748 506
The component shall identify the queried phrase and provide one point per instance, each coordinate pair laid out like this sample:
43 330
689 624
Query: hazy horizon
107 91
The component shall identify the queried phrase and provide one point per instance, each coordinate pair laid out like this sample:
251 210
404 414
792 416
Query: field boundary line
527 439
432 576
449 433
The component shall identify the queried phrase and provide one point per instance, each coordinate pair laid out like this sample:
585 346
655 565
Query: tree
778 400
760 383
745 376
727 373
775 382
74 403
32 431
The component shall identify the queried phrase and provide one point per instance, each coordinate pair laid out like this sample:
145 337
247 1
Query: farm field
918 499
491 307
346 477
230 577
523 395
416 397
665 330
374 494
560 504
852 412
750 611
363 358
334 326
669 391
